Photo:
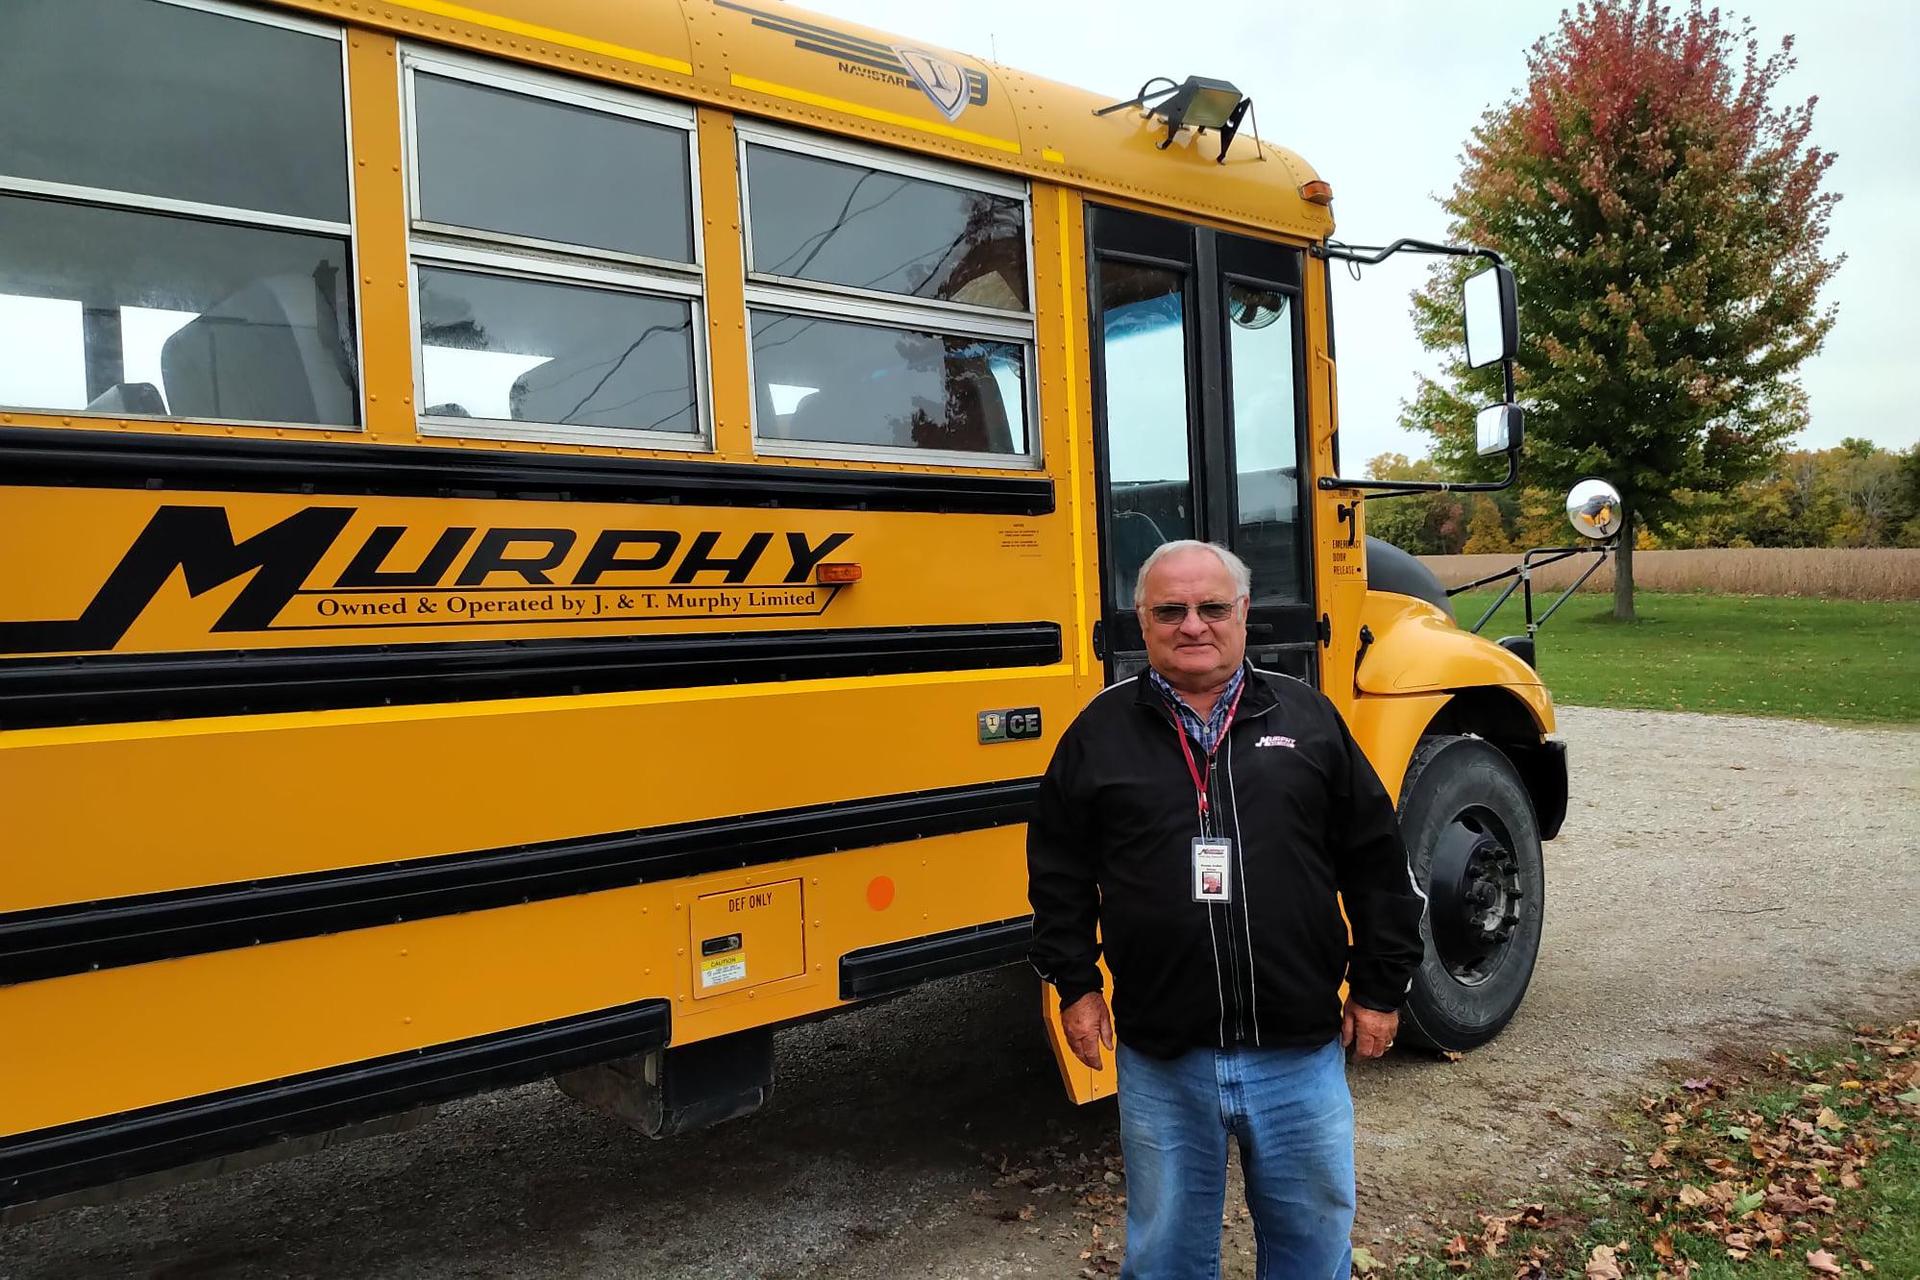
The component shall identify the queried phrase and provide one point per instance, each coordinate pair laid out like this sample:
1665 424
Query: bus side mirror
1492 308
1497 428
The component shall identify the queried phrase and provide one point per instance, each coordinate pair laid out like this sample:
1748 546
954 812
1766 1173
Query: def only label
746 937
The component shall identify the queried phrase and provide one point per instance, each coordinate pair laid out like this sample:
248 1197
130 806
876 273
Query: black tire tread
1429 1033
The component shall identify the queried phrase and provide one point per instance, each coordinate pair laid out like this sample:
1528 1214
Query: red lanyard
1200 779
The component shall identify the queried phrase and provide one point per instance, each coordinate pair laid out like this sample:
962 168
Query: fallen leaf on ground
1363 1261
1820 1262
1601 1264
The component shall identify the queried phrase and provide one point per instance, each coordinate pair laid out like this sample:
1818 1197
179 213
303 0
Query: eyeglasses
1172 615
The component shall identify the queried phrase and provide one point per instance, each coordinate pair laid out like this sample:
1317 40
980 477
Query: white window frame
508 256
234 215
766 291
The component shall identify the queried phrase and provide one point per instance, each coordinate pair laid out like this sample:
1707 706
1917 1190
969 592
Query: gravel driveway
1721 883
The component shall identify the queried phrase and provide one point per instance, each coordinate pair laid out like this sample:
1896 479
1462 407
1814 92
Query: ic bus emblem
1017 724
941 79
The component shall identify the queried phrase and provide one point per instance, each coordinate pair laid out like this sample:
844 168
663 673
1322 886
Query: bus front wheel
1474 847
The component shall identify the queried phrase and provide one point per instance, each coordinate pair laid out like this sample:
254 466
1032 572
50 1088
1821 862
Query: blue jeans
1293 1116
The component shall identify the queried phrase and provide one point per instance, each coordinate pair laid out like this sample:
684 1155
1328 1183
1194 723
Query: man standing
1210 819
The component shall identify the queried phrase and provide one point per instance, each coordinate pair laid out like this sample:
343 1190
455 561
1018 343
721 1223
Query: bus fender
1418 648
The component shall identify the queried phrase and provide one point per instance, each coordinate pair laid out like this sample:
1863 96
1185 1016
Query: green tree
1665 223
1909 533
1426 524
1540 518
1486 531
1866 488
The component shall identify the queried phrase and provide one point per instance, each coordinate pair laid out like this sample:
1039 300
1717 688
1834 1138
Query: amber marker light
837 573
1316 192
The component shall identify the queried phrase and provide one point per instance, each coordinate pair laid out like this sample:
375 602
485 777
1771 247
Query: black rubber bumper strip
87 1153
47 942
895 966
120 687
112 459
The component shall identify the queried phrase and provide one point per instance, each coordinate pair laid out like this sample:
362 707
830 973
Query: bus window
174 222
889 305
499 161
845 224
894 388
151 99
1144 352
528 351
556 260
1265 425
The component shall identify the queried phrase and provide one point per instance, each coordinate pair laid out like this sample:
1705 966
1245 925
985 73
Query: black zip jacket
1110 844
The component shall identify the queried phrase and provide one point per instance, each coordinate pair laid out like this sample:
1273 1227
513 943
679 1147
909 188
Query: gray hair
1242 576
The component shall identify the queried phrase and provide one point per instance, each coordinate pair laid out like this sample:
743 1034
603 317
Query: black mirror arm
1522 575
1389 488
1369 254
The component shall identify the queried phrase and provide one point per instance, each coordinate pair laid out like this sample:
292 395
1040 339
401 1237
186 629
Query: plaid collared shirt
1206 733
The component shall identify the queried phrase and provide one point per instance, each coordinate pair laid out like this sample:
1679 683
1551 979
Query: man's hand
1088 1026
1368 1030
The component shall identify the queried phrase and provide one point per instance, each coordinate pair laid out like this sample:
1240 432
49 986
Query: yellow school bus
551 539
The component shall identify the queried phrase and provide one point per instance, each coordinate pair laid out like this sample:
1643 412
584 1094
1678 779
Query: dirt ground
1721 883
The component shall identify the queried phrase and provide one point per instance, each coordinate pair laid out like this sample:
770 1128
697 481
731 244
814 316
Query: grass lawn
1758 655
1808 1166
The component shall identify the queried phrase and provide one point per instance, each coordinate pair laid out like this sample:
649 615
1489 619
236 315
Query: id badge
1212 870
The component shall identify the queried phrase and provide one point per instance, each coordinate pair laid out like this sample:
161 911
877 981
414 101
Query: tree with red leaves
1665 224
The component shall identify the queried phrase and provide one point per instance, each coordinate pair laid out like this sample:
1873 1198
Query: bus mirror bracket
1497 427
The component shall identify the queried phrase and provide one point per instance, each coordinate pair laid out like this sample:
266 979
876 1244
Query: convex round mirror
1594 508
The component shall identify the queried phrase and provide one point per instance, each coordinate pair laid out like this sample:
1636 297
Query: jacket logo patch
1274 740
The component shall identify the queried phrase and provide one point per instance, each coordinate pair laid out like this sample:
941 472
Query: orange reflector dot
837 571
880 892
1316 192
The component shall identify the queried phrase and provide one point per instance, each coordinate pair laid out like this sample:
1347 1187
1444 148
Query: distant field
1831 573
1757 655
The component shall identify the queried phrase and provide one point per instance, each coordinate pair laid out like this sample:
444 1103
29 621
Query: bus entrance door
1200 398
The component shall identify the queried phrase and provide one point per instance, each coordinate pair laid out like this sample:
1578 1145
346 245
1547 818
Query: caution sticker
718 971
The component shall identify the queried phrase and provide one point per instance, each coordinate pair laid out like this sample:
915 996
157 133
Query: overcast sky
1379 97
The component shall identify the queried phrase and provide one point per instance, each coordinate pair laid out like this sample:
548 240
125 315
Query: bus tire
1473 846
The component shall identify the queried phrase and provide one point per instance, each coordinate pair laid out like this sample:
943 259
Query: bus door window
1150 498
1263 350
1260 341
